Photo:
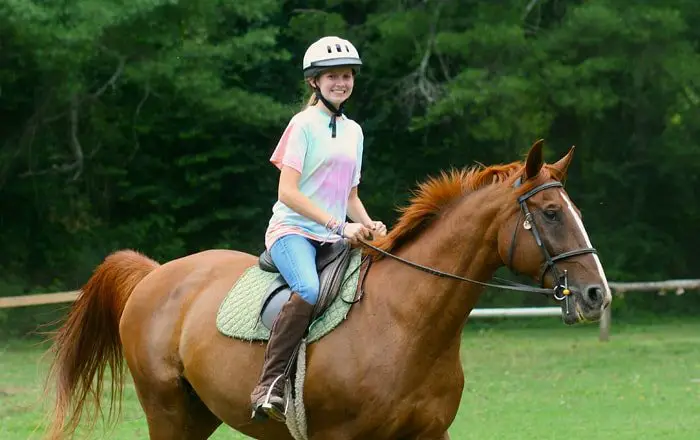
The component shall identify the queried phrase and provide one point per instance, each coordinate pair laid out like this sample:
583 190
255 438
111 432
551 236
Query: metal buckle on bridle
561 290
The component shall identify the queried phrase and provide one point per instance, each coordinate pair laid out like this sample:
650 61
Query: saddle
332 261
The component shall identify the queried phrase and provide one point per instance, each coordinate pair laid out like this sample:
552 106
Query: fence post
605 321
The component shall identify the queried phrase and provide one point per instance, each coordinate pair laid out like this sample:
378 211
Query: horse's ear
534 161
562 165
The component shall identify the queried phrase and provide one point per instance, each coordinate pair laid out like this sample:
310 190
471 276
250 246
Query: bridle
559 292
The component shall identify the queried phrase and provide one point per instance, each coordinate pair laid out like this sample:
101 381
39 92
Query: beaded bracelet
340 228
331 224
335 226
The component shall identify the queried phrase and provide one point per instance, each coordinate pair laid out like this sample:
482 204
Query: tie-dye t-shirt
329 167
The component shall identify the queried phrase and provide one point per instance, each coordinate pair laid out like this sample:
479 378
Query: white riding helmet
330 52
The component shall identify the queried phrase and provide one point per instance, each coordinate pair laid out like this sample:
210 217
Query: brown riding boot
287 331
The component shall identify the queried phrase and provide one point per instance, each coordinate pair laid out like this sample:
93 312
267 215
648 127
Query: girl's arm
289 194
356 210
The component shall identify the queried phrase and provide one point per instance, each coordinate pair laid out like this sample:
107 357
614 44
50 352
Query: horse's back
160 306
180 279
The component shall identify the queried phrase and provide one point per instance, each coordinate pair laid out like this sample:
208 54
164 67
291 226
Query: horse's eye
551 215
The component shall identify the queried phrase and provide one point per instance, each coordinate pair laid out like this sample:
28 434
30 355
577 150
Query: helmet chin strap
335 111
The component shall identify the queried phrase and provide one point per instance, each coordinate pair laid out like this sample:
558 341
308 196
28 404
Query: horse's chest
391 402
417 416
389 388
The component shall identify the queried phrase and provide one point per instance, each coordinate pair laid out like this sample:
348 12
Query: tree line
149 124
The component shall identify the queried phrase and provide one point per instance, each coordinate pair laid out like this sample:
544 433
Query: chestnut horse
390 371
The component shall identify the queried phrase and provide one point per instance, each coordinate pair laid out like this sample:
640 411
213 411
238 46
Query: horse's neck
434 309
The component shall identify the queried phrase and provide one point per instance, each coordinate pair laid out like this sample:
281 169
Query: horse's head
542 235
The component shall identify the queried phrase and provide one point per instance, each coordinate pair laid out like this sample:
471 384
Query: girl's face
336 84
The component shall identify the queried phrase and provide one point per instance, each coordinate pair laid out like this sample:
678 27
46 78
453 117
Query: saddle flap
326 254
331 278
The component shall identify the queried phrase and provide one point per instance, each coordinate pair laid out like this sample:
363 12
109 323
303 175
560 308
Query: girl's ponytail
312 99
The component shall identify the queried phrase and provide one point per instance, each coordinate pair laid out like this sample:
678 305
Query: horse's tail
89 341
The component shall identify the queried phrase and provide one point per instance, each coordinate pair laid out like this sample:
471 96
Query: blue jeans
295 257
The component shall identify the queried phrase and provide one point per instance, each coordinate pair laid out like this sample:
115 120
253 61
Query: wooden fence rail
677 287
7 302
661 287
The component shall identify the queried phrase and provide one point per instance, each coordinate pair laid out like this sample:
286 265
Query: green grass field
527 381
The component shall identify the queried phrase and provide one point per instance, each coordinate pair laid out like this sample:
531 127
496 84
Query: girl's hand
355 231
376 227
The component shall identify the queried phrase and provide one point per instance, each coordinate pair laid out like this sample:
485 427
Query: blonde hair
311 98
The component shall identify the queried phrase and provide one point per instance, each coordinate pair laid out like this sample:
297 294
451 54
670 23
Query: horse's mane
435 194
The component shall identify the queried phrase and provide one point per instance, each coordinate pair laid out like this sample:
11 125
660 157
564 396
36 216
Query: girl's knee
308 291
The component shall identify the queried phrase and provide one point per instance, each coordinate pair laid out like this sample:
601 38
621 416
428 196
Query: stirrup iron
269 410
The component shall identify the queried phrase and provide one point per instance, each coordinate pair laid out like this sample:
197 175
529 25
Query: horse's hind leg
174 412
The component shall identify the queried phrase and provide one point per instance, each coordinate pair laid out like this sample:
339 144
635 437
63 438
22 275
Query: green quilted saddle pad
239 313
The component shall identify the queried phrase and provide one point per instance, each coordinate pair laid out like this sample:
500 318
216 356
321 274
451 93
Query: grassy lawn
534 382
562 383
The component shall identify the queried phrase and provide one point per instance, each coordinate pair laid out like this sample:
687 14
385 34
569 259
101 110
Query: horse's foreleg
445 436
340 435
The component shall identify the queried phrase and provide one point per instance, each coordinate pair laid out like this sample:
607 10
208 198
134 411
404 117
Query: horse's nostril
594 293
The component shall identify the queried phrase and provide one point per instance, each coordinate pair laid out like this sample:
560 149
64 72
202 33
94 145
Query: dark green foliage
148 124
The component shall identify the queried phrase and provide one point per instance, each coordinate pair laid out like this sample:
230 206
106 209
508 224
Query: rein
511 285
558 292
